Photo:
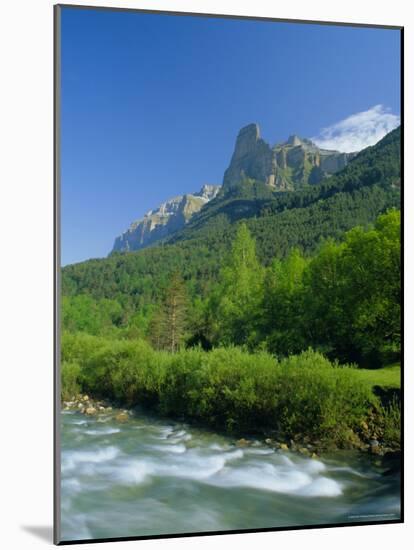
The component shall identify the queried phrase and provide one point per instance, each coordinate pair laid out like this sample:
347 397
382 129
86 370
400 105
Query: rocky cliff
164 220
285 166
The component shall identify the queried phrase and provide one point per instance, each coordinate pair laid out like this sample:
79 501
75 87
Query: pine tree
157 329
174 314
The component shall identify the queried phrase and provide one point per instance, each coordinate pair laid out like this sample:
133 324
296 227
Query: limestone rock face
285 166
164 220
252 158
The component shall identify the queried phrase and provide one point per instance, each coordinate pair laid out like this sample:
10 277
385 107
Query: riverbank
364 441
299 401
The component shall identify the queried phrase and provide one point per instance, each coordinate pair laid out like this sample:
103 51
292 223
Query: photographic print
228 274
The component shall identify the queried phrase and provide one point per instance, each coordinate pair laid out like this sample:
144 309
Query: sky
151 105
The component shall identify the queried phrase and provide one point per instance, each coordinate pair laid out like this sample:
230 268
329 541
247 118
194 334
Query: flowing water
151 476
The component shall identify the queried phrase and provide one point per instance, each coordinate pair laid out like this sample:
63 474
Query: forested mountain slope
368 186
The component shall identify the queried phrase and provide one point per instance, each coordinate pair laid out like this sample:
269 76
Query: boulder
90 410
375 448
122 417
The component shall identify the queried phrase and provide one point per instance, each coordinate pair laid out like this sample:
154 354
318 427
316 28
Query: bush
391 423
69 378
226 388
80 346
319 398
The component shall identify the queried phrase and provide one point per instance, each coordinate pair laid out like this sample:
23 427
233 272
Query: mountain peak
169 216
251 132
294 140
286 166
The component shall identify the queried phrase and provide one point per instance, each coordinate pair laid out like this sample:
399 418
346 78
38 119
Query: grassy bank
387 378
229 389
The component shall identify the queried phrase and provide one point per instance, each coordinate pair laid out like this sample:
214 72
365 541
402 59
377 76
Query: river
151 476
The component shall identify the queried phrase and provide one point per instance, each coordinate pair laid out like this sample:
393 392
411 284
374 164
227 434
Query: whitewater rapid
150 476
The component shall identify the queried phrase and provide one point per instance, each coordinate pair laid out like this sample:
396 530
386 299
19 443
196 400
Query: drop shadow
43 532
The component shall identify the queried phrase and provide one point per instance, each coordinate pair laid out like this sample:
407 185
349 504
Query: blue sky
152 104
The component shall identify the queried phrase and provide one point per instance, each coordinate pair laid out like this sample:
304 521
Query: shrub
227 388
391 423
320 399
69 377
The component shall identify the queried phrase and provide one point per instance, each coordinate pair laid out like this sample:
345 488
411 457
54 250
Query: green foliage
69 379
272 273
385 378
321 394
234 304
355 196
282 307
264 270
352 296
278 222
226 388
175 311
372 276
82 312
391 423
168 323
344 301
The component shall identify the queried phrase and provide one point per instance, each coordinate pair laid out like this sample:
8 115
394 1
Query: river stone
304 451
122 417
243 442
85 398
375 448
284 447
90 410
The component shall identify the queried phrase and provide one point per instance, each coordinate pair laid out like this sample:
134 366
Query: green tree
282 322
352 294
372 283
156 328
235 304
324 316
168 326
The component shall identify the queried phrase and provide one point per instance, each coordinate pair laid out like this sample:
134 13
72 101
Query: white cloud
358 131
